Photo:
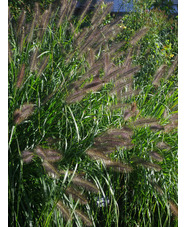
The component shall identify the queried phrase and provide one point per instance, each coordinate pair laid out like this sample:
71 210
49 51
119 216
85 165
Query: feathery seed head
23 113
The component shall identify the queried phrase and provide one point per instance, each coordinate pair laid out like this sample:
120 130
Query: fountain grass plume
173 208
23 113
21 22
48 154
33 62
76 195
138 35
84 11
20 76
43 65
149 165
91 57
172 67
159 73
22 39
27 156
163 145
64 210
154 155
50 169
84 218
43 23
85 184
64 85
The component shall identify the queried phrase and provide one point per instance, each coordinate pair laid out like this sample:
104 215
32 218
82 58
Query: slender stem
11 136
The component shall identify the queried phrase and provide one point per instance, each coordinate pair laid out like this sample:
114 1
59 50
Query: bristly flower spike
43 65
21 22
85 184
76 195
23 113
84 218
142 32
33 63
64 210
159 73
27 156
20 76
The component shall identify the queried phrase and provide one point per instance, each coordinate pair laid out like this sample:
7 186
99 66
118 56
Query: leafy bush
82 147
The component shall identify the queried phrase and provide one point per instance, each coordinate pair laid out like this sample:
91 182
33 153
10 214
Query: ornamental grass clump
73 117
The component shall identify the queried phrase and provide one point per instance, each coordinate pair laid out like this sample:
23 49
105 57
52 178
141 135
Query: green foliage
16 6
158 47
85 146
164 5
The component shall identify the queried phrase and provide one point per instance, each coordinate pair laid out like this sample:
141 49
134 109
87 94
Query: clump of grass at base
65 131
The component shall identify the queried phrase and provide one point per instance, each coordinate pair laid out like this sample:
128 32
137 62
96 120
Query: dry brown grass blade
106 63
